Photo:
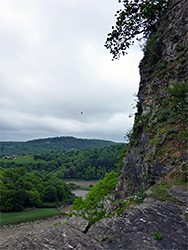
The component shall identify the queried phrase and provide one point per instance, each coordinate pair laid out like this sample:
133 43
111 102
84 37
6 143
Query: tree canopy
20 190
49 144
136 17
75 164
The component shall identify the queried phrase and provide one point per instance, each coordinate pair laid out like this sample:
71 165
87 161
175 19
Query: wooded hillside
49 144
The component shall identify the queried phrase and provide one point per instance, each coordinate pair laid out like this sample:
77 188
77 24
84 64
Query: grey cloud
54 65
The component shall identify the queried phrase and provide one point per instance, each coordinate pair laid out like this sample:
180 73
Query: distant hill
49 144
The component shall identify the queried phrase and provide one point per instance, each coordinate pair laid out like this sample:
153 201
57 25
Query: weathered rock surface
79 223
154 151
57 237
136 230
178 193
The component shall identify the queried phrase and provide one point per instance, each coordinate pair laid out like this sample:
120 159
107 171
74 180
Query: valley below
19 229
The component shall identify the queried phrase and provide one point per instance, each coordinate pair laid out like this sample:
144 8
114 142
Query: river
82 182
80 192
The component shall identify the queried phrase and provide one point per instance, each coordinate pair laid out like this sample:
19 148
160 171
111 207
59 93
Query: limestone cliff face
158 145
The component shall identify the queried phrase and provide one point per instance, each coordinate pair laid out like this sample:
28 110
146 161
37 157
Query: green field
22 159
30 215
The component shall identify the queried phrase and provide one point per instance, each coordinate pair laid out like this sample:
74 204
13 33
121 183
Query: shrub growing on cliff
137 16
97 203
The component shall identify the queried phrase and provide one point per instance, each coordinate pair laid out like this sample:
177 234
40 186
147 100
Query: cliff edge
159 141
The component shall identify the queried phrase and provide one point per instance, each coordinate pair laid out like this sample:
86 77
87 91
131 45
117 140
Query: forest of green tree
75 164
20 190
38 180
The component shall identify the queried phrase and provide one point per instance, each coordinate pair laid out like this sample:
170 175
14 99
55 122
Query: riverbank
82 183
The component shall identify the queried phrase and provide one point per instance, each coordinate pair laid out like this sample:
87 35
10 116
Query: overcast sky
56 76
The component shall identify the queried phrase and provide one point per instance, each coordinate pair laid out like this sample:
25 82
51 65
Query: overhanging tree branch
137 17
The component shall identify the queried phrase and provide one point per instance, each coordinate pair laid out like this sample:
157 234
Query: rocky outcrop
60 236
159 139
151 225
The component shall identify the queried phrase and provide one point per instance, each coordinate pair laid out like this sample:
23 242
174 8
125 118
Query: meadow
22 159
29 215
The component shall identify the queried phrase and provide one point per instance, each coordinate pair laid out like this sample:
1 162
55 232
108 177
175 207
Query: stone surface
179 194
62 237
136 230
79 223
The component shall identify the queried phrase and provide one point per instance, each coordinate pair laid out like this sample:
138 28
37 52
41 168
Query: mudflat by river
79 192
82 183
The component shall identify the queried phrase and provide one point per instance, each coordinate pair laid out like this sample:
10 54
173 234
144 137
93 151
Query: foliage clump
136 17
20 190
98 201
103 201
